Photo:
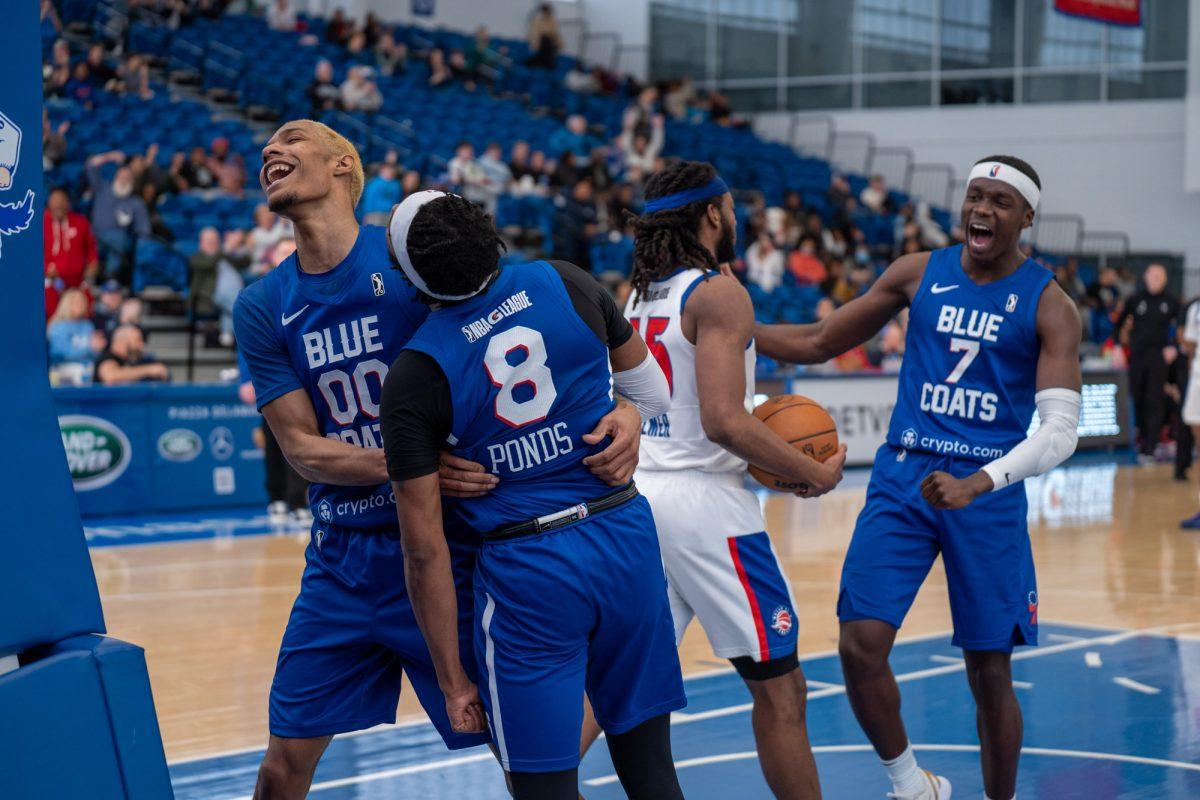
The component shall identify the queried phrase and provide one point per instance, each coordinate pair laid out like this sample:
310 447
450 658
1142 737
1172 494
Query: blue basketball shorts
984 547
582 608
351 634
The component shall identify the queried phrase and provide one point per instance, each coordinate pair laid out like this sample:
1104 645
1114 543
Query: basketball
802 423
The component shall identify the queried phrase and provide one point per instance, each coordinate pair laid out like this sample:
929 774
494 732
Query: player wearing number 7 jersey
317 335
512 369
990 334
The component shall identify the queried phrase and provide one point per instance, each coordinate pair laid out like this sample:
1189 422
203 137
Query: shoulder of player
261 297
907 271
1056 311
716 295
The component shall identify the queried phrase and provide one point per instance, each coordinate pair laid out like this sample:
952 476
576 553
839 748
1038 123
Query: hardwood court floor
210 612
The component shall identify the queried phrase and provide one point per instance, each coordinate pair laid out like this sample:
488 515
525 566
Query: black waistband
561 519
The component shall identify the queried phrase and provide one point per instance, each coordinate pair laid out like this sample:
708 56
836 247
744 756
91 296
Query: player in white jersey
698 322
1189 337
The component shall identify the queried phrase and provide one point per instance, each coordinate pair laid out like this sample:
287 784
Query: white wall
1118 165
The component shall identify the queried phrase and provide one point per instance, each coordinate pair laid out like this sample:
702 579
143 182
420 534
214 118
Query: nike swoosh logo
935 289
286 319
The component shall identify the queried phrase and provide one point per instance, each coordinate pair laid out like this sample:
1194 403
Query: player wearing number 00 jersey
990 335
512 369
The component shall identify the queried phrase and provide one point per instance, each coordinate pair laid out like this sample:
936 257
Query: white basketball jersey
676 440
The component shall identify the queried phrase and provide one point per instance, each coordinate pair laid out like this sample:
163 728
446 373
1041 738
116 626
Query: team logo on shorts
908 439
1033 605
1011 305
324 511
781 621
377 283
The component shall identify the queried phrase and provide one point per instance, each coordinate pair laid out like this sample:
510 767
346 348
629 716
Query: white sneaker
936 788
277 513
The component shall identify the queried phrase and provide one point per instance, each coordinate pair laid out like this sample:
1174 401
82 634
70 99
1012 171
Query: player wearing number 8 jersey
990 335
317 335
512 369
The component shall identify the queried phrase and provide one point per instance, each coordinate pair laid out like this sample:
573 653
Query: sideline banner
46 577
147 448
1118 12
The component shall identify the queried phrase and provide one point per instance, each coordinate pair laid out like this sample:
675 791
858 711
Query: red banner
1120 12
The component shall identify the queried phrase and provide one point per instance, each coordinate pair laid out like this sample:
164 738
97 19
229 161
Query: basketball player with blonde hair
317 335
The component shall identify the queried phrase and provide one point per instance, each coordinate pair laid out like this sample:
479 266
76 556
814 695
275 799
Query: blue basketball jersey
970 361
334 335
528 378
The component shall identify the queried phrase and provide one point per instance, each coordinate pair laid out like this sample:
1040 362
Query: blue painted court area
1108 714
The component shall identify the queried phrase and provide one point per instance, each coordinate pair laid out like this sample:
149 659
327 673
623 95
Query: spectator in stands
323 93
69 247
195 172
461 70
72 337
281 16
465 172
100 72
576 221
497 176
79 87
357 44
480 55
565 172
622 202
339 29
836 285
574 138
133 77
130 313
638 150
639 116
216 269
764 263
804 263
269 229
125 361
227 167
51 23
439 73
359 92
1104 300
107 310
411 182
891 347
596 170
518 160
580 80
119 217
545 41
679 98
838 194
875 196
381 192
391 57
1152 311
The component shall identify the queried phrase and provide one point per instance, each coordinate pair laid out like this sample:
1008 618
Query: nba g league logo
14 217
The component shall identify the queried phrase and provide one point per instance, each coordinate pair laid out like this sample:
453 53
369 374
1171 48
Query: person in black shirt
1153 311
124 362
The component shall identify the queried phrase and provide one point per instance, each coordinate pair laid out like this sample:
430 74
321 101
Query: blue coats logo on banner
14 217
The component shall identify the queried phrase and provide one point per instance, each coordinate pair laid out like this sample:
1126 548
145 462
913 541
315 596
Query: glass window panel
978 34
678 42
748 47
896 93
968 91
1061 88
1054 40
803 98
895 35
756 99
819 38
1162 36
1146 85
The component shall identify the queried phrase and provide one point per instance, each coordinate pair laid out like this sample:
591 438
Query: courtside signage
180 444
98 452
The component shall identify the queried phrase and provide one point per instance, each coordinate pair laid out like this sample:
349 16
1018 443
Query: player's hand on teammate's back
826 475
465 710
615 464
942 490
462 478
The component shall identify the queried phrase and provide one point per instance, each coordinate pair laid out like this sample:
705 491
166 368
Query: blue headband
713 188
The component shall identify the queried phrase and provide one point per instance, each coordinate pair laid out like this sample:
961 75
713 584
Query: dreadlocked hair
666 240
454 246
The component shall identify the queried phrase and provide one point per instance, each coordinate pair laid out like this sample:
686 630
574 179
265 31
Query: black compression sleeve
595 305
415 415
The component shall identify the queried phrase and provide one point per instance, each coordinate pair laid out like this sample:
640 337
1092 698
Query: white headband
401 221
1010 175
